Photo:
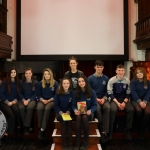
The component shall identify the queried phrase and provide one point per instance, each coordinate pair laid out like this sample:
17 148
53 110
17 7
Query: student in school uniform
9 99
140 97
27 96
98 82
84 94
118 89
73 74
46 91
63 105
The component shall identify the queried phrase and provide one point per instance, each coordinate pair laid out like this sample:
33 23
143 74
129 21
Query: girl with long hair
63 105
9 99
27 96
46 92
86 95
140 91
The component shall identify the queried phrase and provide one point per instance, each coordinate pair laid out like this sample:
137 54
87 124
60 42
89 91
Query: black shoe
7 139
41 134
26 131
76 147
70 147
127 133
0 143
18 132
30 129
109 136
104 138
64 147
141 135
84 147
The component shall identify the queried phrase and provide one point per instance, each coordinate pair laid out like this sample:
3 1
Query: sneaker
41 135
127 133
84 147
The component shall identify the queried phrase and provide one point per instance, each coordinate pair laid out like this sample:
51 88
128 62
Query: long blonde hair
51 80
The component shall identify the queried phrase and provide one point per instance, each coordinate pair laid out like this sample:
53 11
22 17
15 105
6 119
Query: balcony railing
143 27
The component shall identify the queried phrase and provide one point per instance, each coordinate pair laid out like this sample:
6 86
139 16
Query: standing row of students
102 95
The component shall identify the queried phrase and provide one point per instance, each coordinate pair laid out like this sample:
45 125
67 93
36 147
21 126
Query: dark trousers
113 110
66 127
43 113
142 115
102 114
26 112
10 113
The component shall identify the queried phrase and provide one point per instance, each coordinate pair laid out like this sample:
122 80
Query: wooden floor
115 144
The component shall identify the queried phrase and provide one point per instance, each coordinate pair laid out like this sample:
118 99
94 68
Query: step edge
58 135
53 146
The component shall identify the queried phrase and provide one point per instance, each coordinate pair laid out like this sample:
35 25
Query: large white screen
72 27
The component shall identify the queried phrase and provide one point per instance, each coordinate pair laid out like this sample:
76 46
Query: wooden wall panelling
5 45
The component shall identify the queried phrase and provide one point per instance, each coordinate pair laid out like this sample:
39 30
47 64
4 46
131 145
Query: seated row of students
18 100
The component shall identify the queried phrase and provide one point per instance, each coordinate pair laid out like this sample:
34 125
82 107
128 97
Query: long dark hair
88 90
8 79
142 70
60 90
24 78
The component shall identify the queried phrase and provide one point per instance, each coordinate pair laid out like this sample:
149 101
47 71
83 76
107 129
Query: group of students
18 100
103 97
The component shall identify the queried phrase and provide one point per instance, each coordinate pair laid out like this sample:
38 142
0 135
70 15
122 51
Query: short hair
120 66
99 63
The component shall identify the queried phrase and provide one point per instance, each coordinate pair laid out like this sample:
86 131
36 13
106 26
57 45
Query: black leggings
65 128
82 121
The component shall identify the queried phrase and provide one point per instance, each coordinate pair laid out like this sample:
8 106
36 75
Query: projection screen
58 29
